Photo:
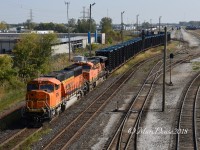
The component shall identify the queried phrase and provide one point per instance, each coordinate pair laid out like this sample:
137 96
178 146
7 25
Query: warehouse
77 40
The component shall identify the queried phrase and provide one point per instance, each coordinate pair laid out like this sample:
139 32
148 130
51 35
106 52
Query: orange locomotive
94 71
50 94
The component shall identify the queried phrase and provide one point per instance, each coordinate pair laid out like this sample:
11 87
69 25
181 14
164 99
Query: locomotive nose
37 99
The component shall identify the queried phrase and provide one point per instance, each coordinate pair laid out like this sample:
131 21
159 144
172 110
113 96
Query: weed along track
19 138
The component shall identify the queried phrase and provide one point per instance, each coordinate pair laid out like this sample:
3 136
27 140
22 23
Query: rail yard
122 111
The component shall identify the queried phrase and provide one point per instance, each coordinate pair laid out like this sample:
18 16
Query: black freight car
122 52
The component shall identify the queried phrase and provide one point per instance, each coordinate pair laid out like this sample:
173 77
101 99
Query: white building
8 41
75 42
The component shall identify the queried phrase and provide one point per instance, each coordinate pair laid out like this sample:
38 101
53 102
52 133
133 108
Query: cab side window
57 87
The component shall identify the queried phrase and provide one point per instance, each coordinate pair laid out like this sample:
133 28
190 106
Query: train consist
50 94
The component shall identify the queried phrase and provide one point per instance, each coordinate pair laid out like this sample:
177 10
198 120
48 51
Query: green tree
145 25
30 25
106 24
3 25
83 25
72 24
32 54
60 28
113 36
45 26
8 75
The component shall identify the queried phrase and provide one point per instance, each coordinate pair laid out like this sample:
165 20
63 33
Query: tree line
31 58
79 26
32 53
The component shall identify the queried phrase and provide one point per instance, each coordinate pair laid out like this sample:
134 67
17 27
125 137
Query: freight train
51 94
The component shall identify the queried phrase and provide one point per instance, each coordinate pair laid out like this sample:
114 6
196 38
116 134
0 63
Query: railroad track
128 127
18 139
72 131
196 34
188 122
127 130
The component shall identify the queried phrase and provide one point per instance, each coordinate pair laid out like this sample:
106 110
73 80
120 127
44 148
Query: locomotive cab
43 96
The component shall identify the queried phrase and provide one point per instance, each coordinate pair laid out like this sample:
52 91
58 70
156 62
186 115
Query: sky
172 11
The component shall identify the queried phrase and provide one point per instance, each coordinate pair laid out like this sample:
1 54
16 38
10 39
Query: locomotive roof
55 73
52 80
73 67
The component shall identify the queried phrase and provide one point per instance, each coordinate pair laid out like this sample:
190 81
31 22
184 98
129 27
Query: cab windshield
45 87
31 87
86 67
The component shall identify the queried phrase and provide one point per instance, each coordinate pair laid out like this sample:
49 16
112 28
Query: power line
31 15
85 14
69 41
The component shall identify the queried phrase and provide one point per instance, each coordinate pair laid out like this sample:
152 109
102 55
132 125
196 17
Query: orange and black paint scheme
48 95
93 70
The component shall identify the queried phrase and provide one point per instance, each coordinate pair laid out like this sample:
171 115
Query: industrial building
77 40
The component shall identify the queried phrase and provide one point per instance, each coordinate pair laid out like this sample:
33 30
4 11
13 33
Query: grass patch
138 58
2 93
145 55
196 66
60 61
34 138
172 46
10 97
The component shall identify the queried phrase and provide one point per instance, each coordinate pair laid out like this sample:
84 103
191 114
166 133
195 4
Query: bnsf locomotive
50 94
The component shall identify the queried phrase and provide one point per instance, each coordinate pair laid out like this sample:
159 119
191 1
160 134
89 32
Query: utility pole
69 41
171 56
90 28
29 21
137 21
151 24
164 70
31 15
122 24
83 12
159 23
